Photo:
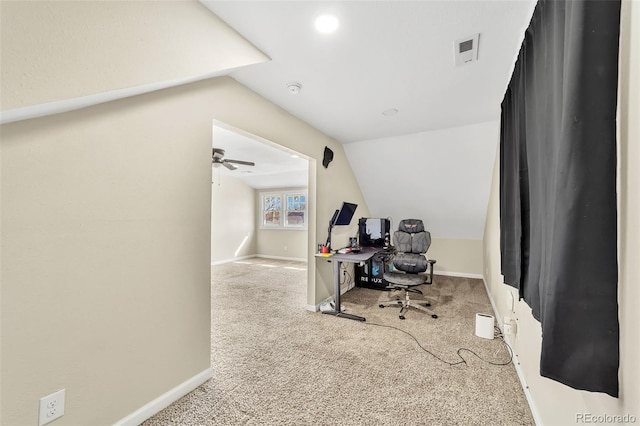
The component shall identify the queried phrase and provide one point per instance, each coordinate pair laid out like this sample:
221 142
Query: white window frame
284 205
264 195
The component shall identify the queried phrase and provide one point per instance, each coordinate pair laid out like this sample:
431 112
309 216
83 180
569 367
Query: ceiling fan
218 159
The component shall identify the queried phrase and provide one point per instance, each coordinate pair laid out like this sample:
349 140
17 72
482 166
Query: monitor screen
346 213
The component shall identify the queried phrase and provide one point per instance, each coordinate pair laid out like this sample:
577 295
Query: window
271 210
284 210
296 210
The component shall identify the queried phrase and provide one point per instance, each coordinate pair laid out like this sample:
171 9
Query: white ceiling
275 168
394 54
385 54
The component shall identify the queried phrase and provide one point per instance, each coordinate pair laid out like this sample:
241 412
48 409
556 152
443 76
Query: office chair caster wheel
427 304
434 316
401 317
381 305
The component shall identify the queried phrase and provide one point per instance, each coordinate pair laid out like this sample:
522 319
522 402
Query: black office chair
411 242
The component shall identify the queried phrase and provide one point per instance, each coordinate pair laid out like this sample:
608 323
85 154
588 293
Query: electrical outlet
51 407
510 326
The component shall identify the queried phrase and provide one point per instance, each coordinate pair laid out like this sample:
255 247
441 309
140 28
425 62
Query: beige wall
283 243
555 403
106 254
233 211
106 226
106 211
629 207
457 257
235 225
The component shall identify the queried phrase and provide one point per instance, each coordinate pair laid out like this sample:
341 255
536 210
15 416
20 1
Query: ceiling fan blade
229 166
246 163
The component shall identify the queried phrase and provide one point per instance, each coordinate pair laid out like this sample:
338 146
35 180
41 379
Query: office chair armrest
431 262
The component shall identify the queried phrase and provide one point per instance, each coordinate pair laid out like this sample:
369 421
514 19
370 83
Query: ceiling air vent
466 50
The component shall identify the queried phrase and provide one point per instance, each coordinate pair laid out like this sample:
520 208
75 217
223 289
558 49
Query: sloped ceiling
56 51
440 176
384 54
434 158
274 168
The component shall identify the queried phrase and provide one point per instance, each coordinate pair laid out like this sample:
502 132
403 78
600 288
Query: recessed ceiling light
294 156
389 112
326 23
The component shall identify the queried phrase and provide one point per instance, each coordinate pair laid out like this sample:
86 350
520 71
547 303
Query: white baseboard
523 381
235 259
458 274
265 256
294 259
532 405
164 400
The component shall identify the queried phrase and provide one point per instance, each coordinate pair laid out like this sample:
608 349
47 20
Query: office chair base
408 303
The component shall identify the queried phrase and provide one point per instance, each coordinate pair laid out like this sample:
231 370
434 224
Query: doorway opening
260 196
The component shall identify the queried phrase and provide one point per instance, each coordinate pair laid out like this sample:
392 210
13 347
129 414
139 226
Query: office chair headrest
411 226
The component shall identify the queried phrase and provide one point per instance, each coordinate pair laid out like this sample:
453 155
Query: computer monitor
341 217
345 214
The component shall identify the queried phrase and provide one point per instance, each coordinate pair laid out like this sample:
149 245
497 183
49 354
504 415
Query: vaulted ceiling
384 55
386 85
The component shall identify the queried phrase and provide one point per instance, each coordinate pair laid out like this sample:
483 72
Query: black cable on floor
458 352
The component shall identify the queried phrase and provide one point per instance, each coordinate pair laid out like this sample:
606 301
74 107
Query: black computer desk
365 254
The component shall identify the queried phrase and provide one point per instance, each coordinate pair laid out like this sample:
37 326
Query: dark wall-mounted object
328 157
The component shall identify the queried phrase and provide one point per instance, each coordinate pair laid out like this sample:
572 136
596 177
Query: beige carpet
275 363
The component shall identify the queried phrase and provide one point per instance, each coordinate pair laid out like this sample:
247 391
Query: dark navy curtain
558 188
